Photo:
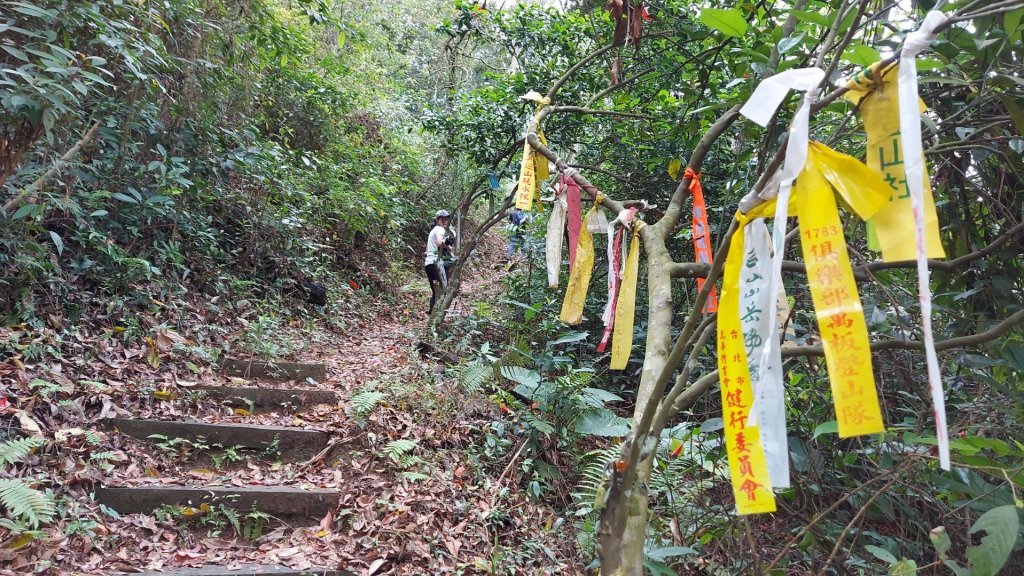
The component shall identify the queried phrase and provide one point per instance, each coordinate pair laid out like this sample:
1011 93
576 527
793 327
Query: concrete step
246 570
274 371
278 501
293 443
267 397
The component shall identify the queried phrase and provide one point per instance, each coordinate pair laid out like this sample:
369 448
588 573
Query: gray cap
442 214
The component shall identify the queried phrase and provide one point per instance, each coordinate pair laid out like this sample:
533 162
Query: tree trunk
622 553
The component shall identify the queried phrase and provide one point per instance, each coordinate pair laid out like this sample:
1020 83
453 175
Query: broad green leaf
32 10
830 427
600 395
1011 21
940 540
16 53
124 198
728 21
945 80
787 44
670 552
861 55
925 64
814 17
1015 110
905 567
57 242
521 375
658 568
602 422
1001 524
881 553
24 211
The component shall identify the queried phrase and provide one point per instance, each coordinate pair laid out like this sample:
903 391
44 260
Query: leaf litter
435 516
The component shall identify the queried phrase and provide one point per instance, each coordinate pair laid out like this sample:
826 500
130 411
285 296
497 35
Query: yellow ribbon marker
542 162
625 305
748 469
533 167
583 269
876 90
837 304
527 189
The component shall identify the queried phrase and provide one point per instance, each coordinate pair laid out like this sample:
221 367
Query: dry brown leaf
28 425
375 566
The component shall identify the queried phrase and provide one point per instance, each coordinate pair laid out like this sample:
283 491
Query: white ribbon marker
913 158
769 403
553 240
760 108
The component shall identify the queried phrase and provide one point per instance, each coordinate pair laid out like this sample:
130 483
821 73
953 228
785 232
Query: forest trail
378 481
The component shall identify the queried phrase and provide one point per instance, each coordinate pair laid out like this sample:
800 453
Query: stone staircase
263 389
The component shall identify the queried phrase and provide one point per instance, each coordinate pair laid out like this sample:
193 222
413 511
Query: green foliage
255 158
12 451
398 449
25 503
362 403
26 506
475 375
216 518
986 559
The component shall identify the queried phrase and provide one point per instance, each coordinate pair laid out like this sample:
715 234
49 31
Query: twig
28 192
854 521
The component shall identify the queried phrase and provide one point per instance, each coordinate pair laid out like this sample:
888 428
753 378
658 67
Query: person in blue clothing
517 219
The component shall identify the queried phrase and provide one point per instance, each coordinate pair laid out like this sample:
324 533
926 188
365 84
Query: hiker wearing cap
433 265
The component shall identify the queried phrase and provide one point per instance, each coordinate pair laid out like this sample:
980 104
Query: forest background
153 156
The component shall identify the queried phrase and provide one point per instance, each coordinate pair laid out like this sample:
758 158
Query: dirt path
405 441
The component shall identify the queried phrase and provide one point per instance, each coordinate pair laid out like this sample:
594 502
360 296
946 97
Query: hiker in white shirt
437 244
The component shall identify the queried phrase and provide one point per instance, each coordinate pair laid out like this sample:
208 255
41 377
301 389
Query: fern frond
538 423
12 451
26 503
364 402
592 477
233 518
397 448
475 374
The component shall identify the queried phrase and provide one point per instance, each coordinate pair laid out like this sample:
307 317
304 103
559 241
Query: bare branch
583 62
581 110
992 333
32 189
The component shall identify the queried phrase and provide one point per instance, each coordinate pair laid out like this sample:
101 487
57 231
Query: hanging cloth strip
910 129
625 306
769 402
748 468
614 277
553 239
876 90
837 306
760 107
701 235
616 263
533 167
579 280
574 216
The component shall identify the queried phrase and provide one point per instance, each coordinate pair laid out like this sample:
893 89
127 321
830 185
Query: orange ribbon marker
701 235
